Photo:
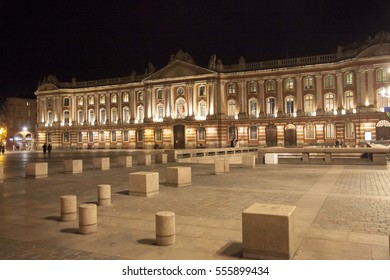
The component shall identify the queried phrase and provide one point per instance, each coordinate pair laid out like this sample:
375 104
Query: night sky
102 39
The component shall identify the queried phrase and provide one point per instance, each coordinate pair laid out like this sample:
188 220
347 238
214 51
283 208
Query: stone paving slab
342 211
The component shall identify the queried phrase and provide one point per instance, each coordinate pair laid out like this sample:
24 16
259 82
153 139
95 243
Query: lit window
308 83
289 105
66 117
113 136
80 137
91 116
329 81
50 117
102 136
140 96
349 104
102 99
49 102
201 134
90 136
125 97
271 86
160 112
114 98
114 115
232 133
329 102
330 130
253 132
231 89
253 107
381 75
270 105
80 101
349 130
231 107
91 100
102 115
80 118
348 79
289 84
383 100
310 131
160 94
140 135
309 103
158 134
181 108
66 136
126 114
126 135
140 113
252 87
202 109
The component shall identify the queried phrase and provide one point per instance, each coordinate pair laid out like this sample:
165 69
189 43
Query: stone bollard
68 208
165 228
144 183
125 161
144 159
271 158
179 176
221 166
160 158
1 174
73 166
87 218
104 195
248 161
36 170
101 163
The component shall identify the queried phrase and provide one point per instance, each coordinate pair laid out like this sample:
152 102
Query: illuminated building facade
313 100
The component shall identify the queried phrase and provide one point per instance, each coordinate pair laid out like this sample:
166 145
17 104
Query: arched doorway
290 135
383 130
179 136
271 135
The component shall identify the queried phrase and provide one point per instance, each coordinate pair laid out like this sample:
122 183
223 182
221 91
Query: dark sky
101 39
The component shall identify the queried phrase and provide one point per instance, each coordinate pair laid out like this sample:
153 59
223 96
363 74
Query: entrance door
178 136
290 136
383 133
271 135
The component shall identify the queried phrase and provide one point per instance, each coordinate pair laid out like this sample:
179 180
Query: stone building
20 115
314 100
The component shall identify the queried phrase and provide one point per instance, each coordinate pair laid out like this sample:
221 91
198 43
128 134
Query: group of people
46 148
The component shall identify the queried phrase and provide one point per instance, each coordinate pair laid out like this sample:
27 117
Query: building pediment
376 50
178 70
47 86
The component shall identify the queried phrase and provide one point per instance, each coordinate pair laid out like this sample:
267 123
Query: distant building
315 100
20 120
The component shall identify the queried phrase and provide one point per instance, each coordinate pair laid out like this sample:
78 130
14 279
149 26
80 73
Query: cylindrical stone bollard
87 218
165 228
104 195
68 208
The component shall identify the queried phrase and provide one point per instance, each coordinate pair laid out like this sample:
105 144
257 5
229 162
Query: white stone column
261 98
190 87
108 108
280 96
97 113
363 91
370 87
339 96
299 95
168 101
319 93
211 86
85 108
133 106
120 111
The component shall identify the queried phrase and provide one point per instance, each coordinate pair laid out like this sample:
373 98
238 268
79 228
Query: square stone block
101 163
36 170
161 158
144 159
143 183
379 159
179 176
125 161
248 161
268 232
271 158
73 166
221 166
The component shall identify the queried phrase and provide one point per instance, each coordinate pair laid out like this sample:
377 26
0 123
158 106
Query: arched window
253 132
349 104
309 104
289 105
126 114
114 115
231 107
102 116
140 113
308 82
330 130
349 130
270 106
310 131
160 112
80 101
329 102
252 107
202 109
91 116
140 135
80 117
102 99
181 108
